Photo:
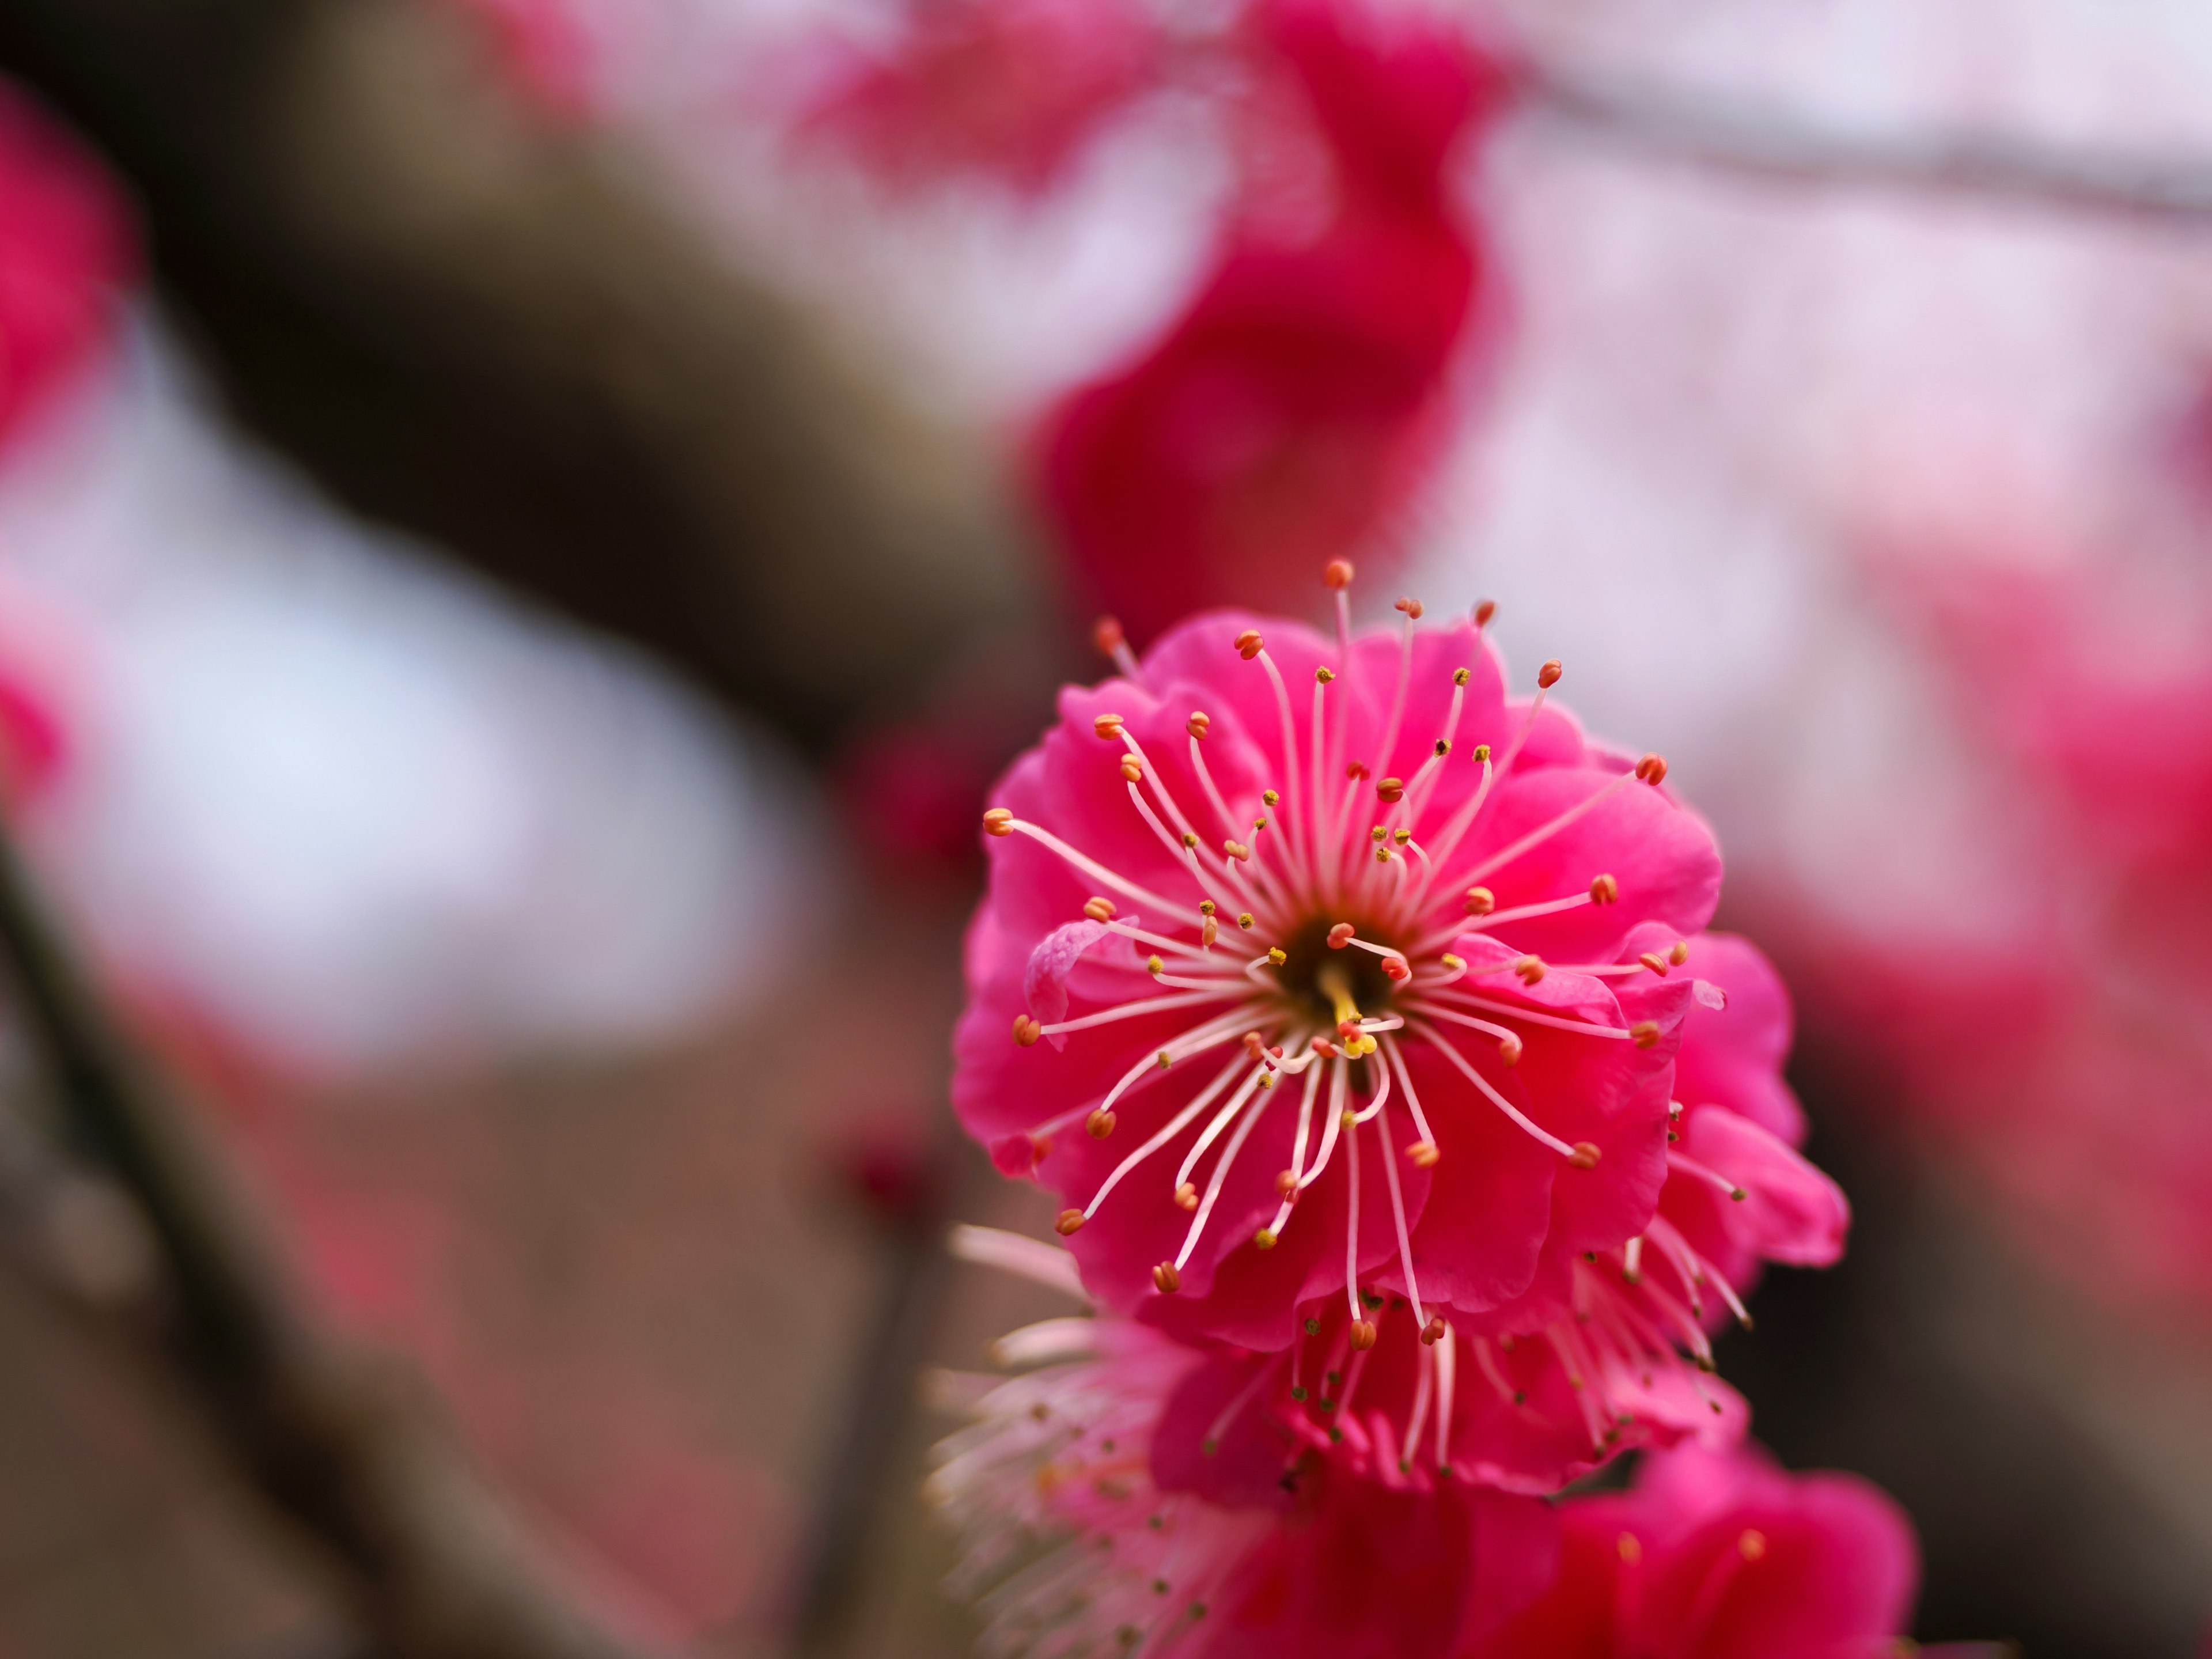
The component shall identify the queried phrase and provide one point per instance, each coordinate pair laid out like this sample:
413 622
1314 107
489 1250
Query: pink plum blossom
1296 406
1010 89
1608 1352
1127 1491
1090 1527
1722 1557
1379 985
66 248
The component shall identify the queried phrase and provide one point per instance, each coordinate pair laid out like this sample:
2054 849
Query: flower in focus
1722 1557
1543 1391
1365 989
1007 87
1291 410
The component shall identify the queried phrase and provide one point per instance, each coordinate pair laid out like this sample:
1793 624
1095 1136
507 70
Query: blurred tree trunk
483 328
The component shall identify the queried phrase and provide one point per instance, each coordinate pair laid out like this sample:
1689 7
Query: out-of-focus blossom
1287 414
1003 88
545 48
34 739
1723 1557
1874 509
66 249
1431 930
1150 1542
1128 1491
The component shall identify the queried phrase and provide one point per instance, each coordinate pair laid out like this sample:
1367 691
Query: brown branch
336 1443
1704 130
490 329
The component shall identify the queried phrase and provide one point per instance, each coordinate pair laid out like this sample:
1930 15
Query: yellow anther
1153 964
1275 954
1243 918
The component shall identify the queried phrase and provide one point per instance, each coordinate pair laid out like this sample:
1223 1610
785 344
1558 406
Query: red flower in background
1289 412
66 246
543 48
1011 88
1717 1557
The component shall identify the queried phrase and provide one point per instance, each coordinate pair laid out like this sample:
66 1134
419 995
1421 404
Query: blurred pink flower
1128 1491
543 48
1722 1557
1010 89
34 744
1289 413
66 247
1146 1547
1459 1110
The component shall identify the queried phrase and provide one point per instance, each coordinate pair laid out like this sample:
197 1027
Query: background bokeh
527 528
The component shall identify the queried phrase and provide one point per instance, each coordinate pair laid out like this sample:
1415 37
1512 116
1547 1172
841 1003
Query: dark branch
336 1444
491 329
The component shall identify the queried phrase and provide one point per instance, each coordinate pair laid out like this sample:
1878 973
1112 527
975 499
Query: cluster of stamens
1300 874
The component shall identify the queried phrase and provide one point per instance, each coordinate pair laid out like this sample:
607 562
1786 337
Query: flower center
1320 986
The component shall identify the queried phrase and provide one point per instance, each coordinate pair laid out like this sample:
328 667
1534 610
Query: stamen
1508 1040
1412 1105
1290 845
1455 831
1586 1028
1543 833
1523 912
1211 1442
1488 1362
1398 1214
1498 1100
1363 1334
1213 1186
1175 1126
1447 1374
1106 634
1089 866
1713 1178
1547 678
1195 1041
1404 683
1132 1010
1212 1133
1297 1156
1423 1389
